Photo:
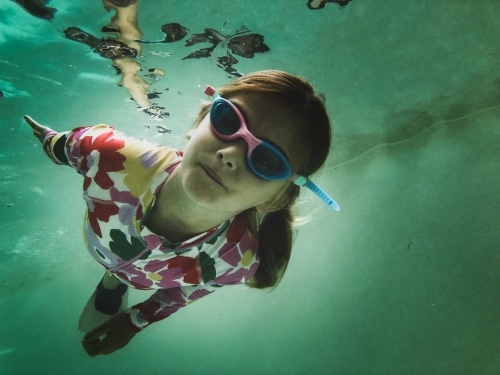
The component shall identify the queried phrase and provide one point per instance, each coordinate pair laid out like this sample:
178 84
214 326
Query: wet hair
274 229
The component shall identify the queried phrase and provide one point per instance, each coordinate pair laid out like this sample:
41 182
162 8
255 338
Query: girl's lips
212 174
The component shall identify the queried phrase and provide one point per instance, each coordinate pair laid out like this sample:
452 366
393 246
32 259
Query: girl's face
214 172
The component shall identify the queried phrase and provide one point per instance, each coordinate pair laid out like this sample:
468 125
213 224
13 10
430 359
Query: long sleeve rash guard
122 176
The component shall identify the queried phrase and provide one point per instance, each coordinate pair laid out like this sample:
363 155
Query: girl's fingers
35 125
29 120
38 130
32 123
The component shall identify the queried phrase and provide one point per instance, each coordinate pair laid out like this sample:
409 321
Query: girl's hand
38 130
118 334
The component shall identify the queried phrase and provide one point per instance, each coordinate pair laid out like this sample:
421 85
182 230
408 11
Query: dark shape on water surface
173 33
1 94
154 95
322 4
37 8
227 62
202 53
240 43
155 112
109 29
108 48
247 45
117 69
122 3
162 129
209 36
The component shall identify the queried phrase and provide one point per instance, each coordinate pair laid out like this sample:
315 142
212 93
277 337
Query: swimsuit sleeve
164 303
54 144
73 147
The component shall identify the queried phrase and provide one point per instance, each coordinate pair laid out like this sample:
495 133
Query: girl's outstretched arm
38 130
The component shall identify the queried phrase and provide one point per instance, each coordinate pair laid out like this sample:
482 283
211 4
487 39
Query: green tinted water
403 280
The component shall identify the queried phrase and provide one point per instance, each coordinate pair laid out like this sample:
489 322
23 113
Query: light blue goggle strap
304 181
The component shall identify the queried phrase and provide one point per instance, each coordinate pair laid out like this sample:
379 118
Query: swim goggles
264 159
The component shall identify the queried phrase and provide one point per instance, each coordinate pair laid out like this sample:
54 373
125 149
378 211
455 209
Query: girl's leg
110 282
320 4
316 4
109 294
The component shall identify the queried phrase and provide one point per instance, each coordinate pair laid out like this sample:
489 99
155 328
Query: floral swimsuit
122 176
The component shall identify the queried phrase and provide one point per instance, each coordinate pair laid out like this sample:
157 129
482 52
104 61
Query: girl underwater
187 223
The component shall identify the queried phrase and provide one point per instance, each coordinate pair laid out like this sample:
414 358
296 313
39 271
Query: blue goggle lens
224 119
267 162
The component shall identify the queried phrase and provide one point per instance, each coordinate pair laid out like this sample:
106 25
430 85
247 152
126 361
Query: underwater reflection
123 46
37 8
320 4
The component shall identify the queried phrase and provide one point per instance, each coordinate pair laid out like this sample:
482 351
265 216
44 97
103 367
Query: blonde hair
274 229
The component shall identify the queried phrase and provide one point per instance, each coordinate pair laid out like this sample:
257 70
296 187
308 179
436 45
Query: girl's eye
228 123
225 120
266 161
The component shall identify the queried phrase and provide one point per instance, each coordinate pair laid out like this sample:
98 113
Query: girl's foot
109 293
320 4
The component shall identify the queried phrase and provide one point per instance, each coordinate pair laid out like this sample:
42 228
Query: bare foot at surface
320 4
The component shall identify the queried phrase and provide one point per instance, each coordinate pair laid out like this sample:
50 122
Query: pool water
402 280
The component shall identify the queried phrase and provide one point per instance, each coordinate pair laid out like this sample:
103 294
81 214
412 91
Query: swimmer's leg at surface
320 4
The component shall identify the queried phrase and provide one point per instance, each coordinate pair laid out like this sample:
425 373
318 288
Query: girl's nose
233 154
